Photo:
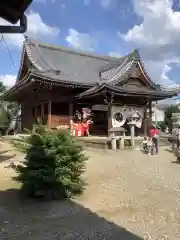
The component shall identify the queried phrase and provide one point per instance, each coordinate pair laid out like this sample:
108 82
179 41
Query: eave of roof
100 89
34 77
48 79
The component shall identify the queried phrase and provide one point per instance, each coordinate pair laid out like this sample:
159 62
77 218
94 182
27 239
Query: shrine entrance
100 123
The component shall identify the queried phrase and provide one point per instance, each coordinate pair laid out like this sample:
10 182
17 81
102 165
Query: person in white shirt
178 137
174 137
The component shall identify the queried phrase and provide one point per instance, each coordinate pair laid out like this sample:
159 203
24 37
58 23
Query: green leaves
168 115
53 163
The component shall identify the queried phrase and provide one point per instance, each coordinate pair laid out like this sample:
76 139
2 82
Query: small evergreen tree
53 164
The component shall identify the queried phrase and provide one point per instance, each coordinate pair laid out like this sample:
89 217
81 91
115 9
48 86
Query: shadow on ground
24 219
4 156
169 150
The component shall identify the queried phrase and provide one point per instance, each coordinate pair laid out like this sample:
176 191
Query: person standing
178 137
149 146
178 144
174 138
154 134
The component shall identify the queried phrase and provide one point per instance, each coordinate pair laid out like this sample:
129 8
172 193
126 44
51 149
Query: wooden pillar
49 114
109 100
150 110
109 116
145 122
70 112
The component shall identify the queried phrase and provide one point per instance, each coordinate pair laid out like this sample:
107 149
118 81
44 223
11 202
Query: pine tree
53 164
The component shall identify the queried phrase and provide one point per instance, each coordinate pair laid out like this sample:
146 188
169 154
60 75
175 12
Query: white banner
122 114
118 115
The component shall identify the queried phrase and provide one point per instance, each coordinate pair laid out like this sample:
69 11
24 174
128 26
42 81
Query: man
178 137
174 137
177 141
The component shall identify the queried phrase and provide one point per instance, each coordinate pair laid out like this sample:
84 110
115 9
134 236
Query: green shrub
53 164
162 126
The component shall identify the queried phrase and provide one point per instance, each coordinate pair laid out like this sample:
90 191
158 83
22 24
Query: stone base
104 142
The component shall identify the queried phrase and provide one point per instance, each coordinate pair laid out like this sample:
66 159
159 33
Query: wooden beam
49 114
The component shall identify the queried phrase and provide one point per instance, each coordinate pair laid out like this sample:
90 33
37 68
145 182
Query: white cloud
164 77
114 54
157 37
8 80
79 40
36 28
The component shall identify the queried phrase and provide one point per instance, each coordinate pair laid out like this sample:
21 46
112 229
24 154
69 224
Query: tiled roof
74 66
79 67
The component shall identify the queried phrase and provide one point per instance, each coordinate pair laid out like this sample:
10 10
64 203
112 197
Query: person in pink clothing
86 124
154 134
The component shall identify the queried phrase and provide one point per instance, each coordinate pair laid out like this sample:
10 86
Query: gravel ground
129 196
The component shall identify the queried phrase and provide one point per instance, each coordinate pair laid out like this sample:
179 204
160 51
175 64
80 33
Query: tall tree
168 115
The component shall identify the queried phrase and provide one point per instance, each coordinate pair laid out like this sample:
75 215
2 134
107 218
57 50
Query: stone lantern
133 118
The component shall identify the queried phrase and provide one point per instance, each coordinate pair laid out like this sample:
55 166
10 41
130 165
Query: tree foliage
7 110
53 164
168 115
2 88
162 126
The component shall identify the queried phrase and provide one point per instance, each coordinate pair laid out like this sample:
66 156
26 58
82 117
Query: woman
86 125
154 133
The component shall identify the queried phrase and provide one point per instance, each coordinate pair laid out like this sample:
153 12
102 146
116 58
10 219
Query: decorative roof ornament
135 54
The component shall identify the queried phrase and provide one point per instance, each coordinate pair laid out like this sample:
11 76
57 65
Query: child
149 146
144 146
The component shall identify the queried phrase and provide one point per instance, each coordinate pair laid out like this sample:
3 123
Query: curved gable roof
74 66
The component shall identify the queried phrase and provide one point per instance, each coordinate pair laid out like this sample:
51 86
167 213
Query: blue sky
110 27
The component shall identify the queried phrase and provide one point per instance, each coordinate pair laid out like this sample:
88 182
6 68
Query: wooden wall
60 114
